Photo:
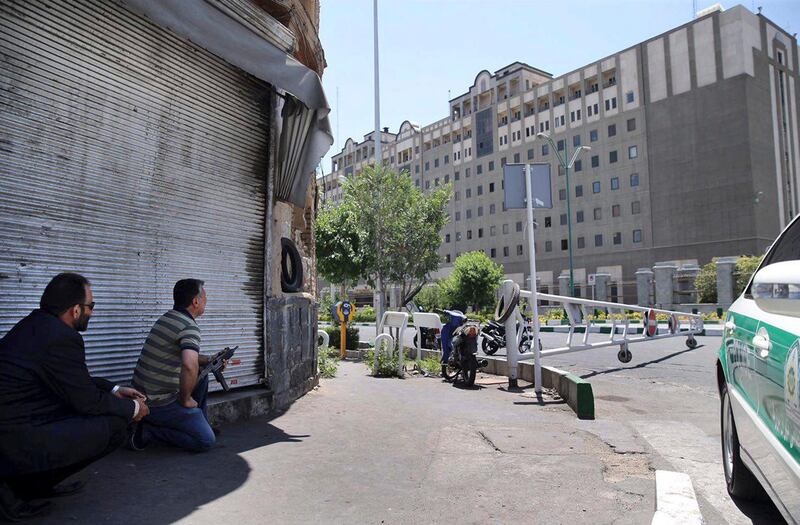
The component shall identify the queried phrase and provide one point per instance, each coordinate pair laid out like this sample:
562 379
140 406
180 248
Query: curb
675 500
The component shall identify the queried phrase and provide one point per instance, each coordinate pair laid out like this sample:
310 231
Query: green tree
474 281
706 283
400 226
432 297
340 245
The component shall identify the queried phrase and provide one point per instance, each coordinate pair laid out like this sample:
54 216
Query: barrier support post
512 345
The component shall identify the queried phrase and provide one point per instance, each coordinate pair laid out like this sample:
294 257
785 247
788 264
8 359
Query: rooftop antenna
759 10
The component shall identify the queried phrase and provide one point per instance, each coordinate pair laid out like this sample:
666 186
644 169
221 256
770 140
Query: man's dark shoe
14 509
65 489
136 439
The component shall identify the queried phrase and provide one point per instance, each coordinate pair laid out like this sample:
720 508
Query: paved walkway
367 450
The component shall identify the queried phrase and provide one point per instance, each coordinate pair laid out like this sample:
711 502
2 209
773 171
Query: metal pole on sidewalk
379 299
537 364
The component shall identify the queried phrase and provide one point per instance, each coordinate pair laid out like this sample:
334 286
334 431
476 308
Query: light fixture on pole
566 166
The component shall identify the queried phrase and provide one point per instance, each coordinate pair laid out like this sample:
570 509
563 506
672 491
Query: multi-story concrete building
694 153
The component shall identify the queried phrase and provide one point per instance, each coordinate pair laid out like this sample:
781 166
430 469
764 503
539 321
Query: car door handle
730 326
762 343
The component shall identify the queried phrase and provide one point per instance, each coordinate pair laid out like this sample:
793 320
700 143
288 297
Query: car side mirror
776 288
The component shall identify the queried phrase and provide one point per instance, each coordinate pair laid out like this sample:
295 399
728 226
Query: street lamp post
566 165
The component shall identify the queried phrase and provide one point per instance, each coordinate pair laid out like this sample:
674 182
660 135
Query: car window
788 246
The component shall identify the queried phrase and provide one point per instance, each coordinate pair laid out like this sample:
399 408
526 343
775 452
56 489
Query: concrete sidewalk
367 450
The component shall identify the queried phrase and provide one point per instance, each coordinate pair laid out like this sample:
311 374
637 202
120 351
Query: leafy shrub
706 283
474 281
351 337
430 365
387 366
432 297
327 364
365 314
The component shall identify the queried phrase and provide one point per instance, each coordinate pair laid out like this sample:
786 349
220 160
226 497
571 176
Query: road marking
675 500
690 450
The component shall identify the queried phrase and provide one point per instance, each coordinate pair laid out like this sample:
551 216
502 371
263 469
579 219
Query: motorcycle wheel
449 373
488 347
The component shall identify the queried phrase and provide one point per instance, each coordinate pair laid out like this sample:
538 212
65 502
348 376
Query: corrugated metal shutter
136 159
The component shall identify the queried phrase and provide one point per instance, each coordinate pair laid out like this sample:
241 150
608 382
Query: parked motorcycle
494 337
459 341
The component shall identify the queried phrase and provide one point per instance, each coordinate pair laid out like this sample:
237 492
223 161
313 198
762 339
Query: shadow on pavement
163 485
640 365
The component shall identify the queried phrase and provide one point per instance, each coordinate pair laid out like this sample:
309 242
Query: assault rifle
215 365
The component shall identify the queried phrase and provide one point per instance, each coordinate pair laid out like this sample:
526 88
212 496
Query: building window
492 230
447 237
427 166
614 183
520 249
593 136
480 232
633 152
578 165
456 175
502 162
548 246
560 145
458 236
597 109
467 173
579 216
548 222
427 184
530 154
612 156
416 183
637 235
563 219
436 181
564 245
479 169
581 242
598 214
545 149
480 211
447 159
469 213
519 226
562 194
516 157
612 130
596 186
458 218
598 239
468 193
579 190
447 258
505 251
618 238
493 253
636 208
491 210
491 165
576 140
457 196
469 235
595 161
505 229
491 187
562 120
634 179
615 210
631 124
480 189
629 97
416 168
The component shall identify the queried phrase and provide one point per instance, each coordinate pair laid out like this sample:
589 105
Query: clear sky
431 50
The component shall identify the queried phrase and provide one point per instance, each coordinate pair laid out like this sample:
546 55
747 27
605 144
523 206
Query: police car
758 373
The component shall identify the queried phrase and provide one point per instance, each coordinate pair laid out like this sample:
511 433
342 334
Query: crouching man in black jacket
54 418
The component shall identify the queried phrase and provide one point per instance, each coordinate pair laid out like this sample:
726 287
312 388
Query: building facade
694 152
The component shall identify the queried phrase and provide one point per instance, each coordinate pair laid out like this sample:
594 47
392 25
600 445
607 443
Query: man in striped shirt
167 372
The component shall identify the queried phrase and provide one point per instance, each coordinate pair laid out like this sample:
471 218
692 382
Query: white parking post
512 346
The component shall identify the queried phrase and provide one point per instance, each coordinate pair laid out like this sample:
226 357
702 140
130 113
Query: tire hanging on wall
291 267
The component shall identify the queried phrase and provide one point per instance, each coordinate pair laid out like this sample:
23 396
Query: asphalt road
666 397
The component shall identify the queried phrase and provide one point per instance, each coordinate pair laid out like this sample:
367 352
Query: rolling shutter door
135 159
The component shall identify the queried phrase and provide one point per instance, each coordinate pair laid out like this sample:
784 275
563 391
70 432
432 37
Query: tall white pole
537 364
378 138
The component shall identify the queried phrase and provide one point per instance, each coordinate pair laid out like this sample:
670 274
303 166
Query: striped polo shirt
158 371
